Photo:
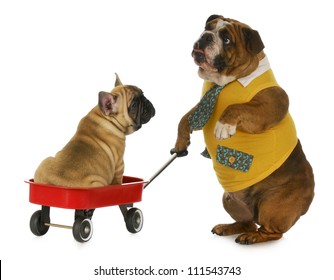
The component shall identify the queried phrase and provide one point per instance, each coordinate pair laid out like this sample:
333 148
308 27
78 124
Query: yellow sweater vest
245 159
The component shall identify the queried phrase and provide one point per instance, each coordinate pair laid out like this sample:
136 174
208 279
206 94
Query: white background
55 56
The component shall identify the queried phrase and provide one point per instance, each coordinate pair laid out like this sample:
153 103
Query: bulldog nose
205 40
148 111
207 37
151 108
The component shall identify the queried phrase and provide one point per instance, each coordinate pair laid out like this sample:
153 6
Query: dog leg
281 206
183 135
264 111
240 212
278 213
275 217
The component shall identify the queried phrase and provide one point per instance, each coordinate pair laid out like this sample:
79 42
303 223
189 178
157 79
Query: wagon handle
173 157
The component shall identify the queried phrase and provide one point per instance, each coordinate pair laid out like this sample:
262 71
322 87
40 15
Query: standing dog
94 156
249 134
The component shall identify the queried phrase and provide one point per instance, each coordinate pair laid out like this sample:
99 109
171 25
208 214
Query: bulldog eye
133 107
224 35
226 40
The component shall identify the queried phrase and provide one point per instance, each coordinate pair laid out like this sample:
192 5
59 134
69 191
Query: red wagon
85 200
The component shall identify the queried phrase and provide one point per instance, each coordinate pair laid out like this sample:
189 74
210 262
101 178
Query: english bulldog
249 134
94 155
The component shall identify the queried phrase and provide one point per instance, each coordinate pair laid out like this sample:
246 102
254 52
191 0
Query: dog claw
248 238
244 241
247 242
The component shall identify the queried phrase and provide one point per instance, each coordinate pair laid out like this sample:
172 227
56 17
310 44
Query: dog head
226 50
126 106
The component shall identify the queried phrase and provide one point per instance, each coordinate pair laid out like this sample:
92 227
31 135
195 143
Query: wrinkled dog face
127 105
141 110
226 50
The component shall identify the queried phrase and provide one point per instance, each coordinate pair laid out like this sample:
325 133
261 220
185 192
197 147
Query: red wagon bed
128 192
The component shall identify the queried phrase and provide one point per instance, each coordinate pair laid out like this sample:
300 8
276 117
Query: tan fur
94 155
277 202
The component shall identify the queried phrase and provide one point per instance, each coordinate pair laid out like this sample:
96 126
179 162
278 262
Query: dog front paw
181 146
179 153
224 130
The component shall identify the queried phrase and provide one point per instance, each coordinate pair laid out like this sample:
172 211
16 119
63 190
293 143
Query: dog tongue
199 55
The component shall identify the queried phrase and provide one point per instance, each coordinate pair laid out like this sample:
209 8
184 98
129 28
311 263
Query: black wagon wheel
38 227
134 220
82 229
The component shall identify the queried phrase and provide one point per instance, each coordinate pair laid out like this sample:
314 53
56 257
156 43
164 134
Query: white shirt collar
263 67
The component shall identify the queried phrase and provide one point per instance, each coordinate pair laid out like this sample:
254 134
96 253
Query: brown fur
278 201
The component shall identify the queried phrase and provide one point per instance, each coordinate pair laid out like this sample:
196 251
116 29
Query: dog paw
235 228
248 238
224 130
257 237
222 229
179 153
180 147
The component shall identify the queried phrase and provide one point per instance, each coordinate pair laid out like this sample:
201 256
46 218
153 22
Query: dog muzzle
141 111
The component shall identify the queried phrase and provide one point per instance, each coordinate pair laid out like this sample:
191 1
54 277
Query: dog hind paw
256 237
247 238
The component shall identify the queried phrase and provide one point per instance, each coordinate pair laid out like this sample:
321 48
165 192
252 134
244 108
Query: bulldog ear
212 17
118 81
253 40
107 103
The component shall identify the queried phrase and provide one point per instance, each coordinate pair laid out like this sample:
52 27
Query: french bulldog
94 155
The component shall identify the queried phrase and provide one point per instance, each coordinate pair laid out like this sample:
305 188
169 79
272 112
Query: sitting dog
249 134
94 156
